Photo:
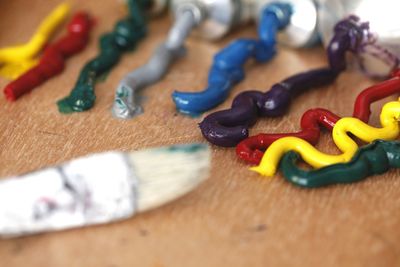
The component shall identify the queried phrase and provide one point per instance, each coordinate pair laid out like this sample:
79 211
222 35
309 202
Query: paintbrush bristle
99 188
164 174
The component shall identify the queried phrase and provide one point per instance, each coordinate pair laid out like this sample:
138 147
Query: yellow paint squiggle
21 56
12 71
390 117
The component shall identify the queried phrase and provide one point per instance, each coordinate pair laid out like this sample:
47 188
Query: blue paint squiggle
227 69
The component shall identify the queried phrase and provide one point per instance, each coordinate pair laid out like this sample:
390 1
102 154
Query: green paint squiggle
375 158
126 34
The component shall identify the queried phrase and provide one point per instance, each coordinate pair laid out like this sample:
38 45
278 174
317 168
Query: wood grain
235 218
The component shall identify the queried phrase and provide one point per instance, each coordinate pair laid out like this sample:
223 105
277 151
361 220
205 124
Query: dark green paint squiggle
126 34
375 158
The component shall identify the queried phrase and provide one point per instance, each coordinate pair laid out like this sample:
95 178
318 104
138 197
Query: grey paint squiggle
126 103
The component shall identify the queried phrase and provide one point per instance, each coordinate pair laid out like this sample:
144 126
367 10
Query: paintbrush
99 188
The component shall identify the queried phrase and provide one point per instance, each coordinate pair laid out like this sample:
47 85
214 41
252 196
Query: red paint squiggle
252 149
53 60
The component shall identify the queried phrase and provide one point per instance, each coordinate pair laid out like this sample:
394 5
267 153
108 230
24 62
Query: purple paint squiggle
228 127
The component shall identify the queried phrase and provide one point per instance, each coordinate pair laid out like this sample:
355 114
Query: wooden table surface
235 218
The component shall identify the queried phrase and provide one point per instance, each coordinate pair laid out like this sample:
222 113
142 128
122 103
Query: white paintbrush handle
86 191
